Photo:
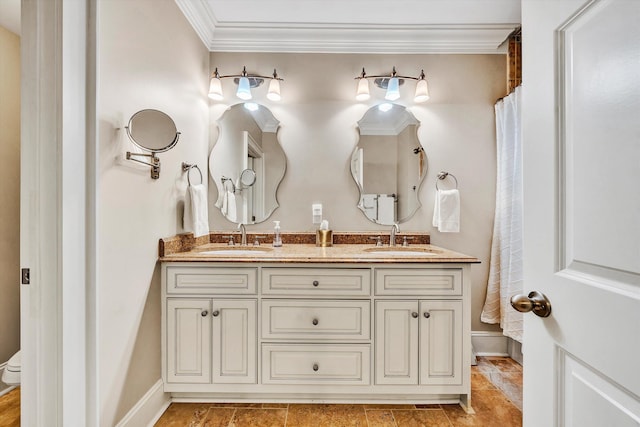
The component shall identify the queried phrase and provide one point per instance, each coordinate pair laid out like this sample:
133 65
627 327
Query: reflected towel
229 206
196 216
446 211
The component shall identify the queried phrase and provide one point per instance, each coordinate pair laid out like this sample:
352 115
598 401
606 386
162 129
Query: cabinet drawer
316 319
316 281
211 280
315 364
419 281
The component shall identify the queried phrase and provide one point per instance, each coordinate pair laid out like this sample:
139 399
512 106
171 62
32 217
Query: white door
581 128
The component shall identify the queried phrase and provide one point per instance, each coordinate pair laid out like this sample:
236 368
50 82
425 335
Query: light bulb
274 90
393 89
384 107
422 91
215 89
244 89
362 93
251 106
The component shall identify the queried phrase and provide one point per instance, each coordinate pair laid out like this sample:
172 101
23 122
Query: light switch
316 210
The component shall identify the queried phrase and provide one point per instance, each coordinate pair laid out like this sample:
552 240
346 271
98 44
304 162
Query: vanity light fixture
245 82
391 83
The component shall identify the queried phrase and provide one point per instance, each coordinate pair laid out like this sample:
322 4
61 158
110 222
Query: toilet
11 374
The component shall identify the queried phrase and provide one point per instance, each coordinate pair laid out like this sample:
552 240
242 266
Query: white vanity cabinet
317 332
419 342
209 326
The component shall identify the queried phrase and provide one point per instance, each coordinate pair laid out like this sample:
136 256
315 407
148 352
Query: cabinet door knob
316 283
204 313
316 367
315 321
215 313
427 314
414 315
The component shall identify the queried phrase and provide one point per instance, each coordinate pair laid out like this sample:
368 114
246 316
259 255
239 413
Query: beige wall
9 194
318 116
149 57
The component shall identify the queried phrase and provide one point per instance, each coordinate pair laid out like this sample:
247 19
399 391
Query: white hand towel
199 212
229 206
446 212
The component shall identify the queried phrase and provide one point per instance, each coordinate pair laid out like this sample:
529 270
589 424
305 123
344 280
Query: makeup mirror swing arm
154 162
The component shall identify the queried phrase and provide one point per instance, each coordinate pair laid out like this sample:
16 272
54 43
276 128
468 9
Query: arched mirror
388 164
154 131
247 163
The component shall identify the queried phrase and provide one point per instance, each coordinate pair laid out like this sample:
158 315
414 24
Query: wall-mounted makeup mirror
247 163
388 164
153 131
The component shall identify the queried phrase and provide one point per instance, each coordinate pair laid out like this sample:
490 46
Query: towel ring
443 175
186 167
224 179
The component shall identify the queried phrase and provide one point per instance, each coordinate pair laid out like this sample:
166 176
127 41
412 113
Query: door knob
215 313
535 301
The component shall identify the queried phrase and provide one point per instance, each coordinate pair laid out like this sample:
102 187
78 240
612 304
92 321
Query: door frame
57 213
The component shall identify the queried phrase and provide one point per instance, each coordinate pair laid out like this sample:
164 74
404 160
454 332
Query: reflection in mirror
388 164
247 163
248 178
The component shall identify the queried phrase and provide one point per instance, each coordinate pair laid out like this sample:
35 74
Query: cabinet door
441 342
188 341
396 342
234 341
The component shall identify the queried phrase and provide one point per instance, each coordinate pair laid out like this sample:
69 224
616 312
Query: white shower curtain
505 271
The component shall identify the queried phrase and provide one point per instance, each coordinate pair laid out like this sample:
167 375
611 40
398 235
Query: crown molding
200 17
342 38
361 38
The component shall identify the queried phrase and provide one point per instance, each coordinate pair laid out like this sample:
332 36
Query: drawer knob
215 313
427 314
414 315
316 283
204 313
315 321
316 367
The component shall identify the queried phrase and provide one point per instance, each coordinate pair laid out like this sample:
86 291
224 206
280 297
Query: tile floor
10 408
496 385
496 397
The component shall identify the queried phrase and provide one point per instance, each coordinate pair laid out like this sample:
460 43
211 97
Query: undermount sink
237 250
402 251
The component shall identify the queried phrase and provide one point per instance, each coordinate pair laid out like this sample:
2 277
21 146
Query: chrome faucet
243 231
392 238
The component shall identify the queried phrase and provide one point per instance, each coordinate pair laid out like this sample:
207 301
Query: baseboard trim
489 343
149 408
4 388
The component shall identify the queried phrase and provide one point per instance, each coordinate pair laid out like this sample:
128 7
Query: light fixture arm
364 75
244 73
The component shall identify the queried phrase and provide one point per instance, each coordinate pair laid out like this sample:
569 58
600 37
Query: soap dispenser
277 240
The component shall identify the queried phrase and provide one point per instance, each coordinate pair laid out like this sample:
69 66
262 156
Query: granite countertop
308 253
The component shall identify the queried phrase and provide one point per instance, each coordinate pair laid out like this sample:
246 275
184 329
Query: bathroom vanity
349 323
